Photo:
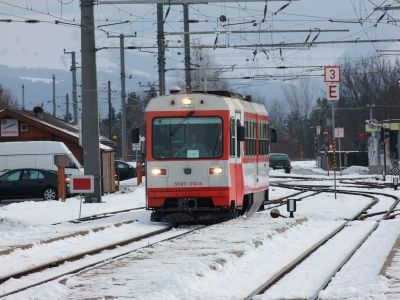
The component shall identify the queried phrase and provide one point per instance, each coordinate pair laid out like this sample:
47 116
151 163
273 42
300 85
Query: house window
24 127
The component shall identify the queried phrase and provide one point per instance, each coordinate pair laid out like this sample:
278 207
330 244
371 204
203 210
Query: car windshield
274 157
188 137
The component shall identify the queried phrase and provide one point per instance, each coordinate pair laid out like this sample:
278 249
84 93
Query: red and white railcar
206 156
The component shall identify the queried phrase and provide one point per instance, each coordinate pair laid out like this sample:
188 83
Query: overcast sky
41 45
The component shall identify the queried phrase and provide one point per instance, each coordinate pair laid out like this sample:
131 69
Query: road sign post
82 185
334 163
332 77
339 134
62 161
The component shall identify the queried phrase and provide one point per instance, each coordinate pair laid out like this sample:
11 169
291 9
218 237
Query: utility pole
74 85
109 111
161 48
67 107
23 97
124 141
123 99
54 95
188 80
90 110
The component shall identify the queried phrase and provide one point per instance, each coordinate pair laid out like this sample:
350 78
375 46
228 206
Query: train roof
215 100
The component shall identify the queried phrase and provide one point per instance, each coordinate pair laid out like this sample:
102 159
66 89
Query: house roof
52 124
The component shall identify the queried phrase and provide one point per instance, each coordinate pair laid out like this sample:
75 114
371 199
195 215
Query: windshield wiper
177 127
216 142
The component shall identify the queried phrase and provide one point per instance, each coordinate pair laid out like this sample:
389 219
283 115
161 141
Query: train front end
188 159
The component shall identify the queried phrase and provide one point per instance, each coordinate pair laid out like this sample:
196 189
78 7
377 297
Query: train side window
246 145
251 137
263 139
232 148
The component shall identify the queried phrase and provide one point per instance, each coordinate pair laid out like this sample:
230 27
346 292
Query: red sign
332 74
82 184
332 91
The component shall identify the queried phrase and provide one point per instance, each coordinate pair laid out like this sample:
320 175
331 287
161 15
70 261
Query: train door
257 136
238 161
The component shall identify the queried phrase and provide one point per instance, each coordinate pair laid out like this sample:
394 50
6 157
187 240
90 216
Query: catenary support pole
67 107
161 48
124 142
109 110
74 87
123 100
90 110
188 79
54 95
23 97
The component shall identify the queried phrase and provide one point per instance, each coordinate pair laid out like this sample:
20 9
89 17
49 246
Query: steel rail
99 216
288 268
57 262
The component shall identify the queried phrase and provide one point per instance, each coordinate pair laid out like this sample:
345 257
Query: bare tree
369 81
300 97
205 72
7 100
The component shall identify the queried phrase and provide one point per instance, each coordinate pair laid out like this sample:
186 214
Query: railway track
147 240
303 193
100 216
287 275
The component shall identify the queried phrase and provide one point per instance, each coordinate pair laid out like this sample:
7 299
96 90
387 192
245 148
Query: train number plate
188 183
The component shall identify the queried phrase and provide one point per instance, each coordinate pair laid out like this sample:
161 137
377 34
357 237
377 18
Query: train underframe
182 210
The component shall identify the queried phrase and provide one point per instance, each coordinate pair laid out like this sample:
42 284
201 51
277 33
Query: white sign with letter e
332 91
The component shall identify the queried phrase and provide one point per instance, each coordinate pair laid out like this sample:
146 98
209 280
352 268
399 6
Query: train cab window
187 137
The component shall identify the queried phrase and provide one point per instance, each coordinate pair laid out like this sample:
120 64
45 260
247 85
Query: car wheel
49 193
287 171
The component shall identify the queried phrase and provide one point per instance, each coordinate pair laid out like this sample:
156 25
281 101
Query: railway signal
291 206
395 182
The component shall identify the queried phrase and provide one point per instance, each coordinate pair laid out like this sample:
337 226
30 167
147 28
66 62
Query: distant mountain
39 87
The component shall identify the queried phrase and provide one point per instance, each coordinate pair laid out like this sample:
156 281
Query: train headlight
187 102
215 171
159 172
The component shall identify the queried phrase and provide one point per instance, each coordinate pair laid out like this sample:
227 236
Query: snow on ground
317 269
225 261
28 221
359 278
211 263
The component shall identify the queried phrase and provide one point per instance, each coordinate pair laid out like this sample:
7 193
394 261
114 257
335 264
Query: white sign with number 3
332 74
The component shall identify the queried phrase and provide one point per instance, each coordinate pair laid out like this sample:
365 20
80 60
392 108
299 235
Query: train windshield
188 137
